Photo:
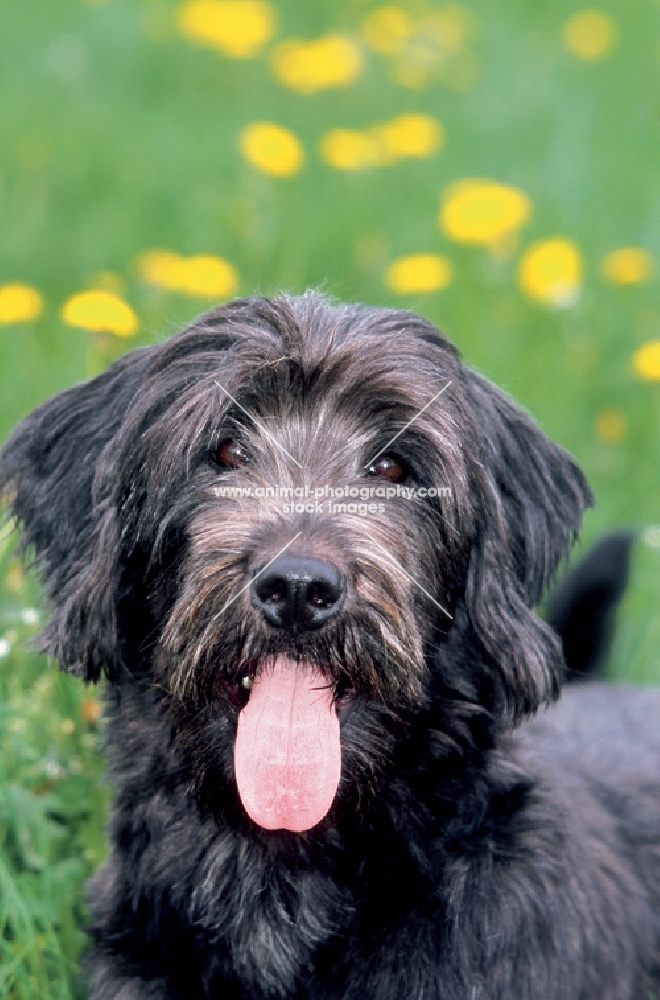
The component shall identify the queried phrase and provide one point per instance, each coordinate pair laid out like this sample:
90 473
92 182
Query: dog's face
235 518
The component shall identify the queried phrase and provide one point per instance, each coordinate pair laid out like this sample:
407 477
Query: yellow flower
405 137
589 34
19 304
483 211
306 67
346 149
162 268
387 28
211 277
412 135
100 311
611 425
436 49
204 276
448 28
91 711
628 266
238 28
15 577
418 273
273 149
551 272
646 361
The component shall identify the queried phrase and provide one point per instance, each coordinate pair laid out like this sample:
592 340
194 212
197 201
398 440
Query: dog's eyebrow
411 578
257 424
262 570
411 421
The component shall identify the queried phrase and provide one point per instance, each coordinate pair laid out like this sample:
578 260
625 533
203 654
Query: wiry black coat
462 859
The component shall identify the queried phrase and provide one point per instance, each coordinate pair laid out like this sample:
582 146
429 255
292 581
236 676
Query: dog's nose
297 593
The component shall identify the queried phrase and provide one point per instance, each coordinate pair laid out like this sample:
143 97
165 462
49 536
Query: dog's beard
274 703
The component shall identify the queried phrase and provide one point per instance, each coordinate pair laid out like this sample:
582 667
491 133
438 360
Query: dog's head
294 511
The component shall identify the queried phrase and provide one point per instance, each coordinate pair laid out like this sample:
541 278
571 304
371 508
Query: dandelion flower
436 49
346 149
387 28
205 276
19 304
211 277
483 211
406 137
15 578
238 28
646 361
307 67
91 711
100 312
611 425
418 273
410 136
551 272
449 27
628 266
162 268
272 149
589 34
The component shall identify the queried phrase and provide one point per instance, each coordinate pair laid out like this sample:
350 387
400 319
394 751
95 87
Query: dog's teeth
247 682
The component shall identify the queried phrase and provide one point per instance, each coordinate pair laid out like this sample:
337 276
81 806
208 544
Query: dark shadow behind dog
462 858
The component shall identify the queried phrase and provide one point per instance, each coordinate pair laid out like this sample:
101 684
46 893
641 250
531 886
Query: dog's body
321 792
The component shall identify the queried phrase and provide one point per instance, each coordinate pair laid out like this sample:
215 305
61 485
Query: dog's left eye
230 455
389 467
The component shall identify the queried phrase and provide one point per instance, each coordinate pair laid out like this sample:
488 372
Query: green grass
52 803
117 135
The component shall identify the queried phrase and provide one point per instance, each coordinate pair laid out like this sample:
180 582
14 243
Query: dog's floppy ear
56 475
529 496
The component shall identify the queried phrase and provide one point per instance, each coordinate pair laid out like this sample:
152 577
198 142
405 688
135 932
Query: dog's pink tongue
287 753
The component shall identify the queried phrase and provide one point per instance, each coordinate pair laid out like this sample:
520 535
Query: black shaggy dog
318 669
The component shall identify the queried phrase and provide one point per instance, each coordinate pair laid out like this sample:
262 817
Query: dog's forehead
300 370
304 347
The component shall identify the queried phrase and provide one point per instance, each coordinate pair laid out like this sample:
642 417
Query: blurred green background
493 165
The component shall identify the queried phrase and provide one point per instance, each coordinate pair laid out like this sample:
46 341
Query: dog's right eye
230 455
389 467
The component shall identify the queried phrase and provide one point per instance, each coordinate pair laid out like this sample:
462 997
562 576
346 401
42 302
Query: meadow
494 165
